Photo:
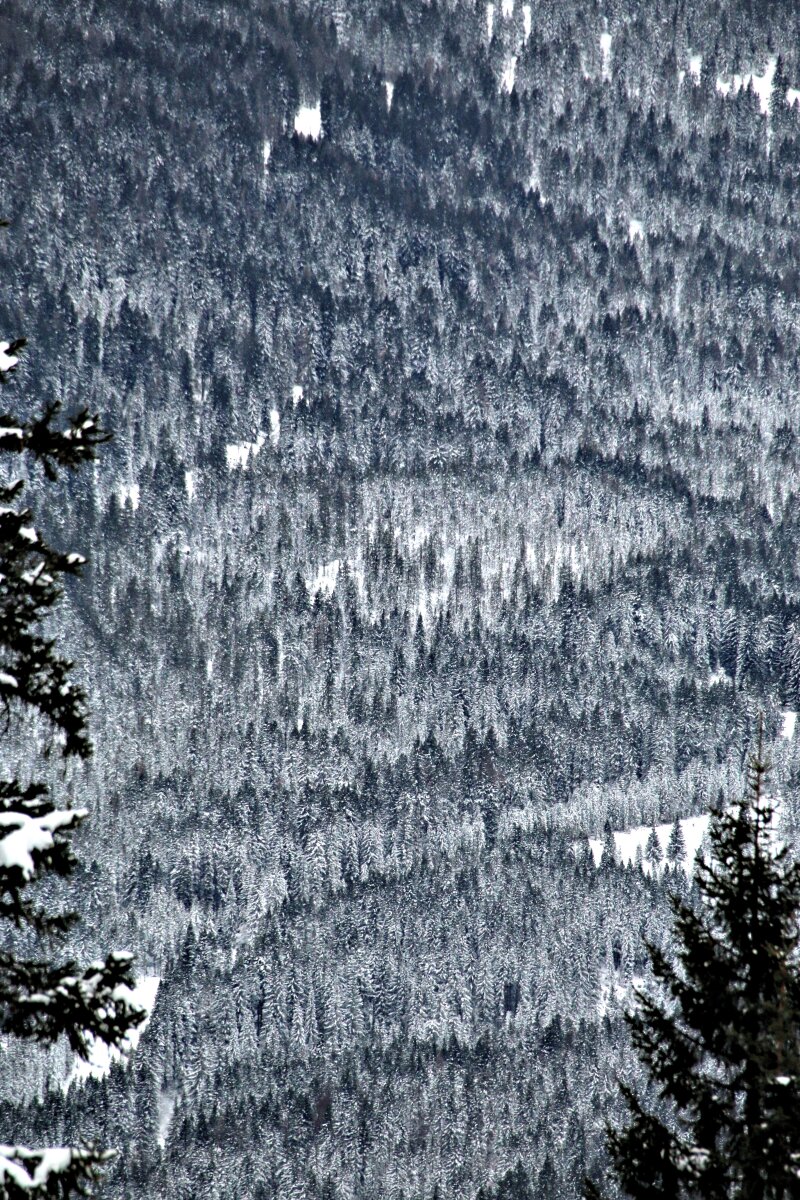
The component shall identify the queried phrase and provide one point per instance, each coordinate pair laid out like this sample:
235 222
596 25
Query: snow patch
267 151
274 426
325 579
628 841
188 479
166 1110
509 75
635 231
308 121
7 361
507 9
238 454
297 394
605 50
490 20
526 21
129 495
695 66
389 89
101 1056
761 84
789 723
792 96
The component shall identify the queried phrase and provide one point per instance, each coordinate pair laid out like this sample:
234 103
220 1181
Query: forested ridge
451 513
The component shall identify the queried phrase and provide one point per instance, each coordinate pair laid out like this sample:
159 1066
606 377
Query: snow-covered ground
628 841
308 121
605 50
761 84
789 723
102 1056
238 454
129 494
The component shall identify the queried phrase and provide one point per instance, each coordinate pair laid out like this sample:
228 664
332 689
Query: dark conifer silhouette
721 1040
44 712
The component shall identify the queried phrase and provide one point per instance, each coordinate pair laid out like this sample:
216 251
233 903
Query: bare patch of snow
628 841
792 96
389 89
238 454
509 75
789 723
507 9
490 20
297 394
761 84
7 361
188 479
267 151
274 426
325 579
605 50
308 121
635 231
527 23
129 495
166 1110
695 66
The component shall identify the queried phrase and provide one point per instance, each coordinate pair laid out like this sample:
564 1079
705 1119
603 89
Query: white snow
7 361
389 87
605 50
28 533
507 9
297 394
188 480
792 96
627 841
46 1162
29 834
308 121
237 454
101 1056
761 84
490 20
695 66
635 231
75 560
789 723
129 493
526 21
509 75
166 1109
267 151
274 426
8 680
325 578
720 675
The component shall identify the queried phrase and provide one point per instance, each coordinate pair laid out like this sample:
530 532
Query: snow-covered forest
450 525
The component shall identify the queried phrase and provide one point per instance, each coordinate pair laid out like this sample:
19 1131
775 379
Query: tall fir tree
721 1038
45 712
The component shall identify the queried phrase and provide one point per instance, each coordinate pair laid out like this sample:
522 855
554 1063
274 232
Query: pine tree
721 1042
676 847
652 851
41 999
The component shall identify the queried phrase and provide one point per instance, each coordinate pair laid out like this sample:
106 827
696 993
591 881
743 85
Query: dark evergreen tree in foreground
40 998
722 1041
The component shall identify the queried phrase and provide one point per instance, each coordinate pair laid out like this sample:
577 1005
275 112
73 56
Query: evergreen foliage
721 1042
43 999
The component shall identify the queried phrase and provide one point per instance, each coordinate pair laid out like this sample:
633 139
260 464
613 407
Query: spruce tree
44 715
721 1039
676 847
652 851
